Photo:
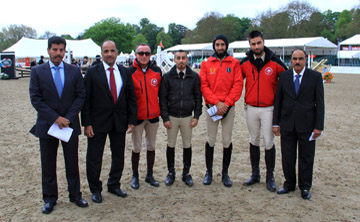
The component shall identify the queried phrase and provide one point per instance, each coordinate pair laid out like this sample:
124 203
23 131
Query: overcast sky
73 17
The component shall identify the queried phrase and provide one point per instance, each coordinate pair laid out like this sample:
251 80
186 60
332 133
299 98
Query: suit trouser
259 121
227 125
182 124
95 155
48 151
306 149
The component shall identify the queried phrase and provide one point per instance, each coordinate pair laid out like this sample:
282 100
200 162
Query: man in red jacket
221 86
146 77
261 68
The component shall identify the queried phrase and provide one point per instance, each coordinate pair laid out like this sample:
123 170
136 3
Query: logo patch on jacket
212 70
228 69
268 71
154 82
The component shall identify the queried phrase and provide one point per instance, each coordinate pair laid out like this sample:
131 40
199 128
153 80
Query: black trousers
94 158
291 142
48 152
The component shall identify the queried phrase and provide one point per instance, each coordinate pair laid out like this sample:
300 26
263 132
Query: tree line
296 19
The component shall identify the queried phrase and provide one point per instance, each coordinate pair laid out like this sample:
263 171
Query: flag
161 45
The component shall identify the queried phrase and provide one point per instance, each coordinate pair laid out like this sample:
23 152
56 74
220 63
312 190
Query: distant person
41 61
33 63
57 93
299 112
180 105
221 86
84 65
109 111
74 62
97 60
146 77
261 69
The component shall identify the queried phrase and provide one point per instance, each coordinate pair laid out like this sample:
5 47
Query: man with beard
299 117
261 68
146 77
221 86
179 96
109 110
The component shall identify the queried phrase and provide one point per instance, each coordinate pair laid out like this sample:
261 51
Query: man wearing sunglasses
146 77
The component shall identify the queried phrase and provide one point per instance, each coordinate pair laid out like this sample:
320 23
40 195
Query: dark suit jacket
45 99
99 110
303 112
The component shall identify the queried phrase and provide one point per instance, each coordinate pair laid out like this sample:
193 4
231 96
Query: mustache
297 64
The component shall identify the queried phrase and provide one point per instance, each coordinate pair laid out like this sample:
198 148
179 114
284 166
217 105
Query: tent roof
189 47
355 40
27 47
348 54
312 42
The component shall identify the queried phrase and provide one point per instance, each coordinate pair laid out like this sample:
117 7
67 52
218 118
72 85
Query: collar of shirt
106 66
117 75
62 71
301 74
262 57
61 65
184 71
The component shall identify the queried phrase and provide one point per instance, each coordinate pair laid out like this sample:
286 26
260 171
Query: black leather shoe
80 202
187 180
305 194
96 197
284 190
252 180
226 180
150 179
48 208
271 185
170 178
135 183
207 178
118 192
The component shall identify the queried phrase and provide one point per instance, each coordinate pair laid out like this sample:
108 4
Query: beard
258 53
220 55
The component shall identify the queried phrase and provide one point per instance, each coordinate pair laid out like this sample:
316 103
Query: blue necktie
57 80
297 83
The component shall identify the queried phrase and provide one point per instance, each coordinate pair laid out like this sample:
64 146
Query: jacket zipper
147 100
258 90
182 93
141 87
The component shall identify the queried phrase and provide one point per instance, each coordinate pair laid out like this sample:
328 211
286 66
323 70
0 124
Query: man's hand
222 108
89 132
193 122
167 124
62 122
130 128
276 130
317 133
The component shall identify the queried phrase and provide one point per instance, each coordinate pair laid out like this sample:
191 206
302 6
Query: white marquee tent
355 40
33 48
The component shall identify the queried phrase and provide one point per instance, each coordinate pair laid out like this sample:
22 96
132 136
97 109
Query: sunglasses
143 53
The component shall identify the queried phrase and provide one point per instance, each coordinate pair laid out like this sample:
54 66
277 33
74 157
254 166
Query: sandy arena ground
335 191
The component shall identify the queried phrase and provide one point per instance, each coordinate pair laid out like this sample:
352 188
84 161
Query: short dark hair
107 40
56 40
255 34
296 49
180 51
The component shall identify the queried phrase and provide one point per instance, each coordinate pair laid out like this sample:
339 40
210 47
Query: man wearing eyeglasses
146 77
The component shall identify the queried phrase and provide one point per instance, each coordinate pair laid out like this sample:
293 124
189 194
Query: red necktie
113 84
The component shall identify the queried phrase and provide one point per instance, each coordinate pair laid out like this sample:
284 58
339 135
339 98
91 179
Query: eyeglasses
143 53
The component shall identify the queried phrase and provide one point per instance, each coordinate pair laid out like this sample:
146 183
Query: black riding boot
255 159
270 156
209 157
226 163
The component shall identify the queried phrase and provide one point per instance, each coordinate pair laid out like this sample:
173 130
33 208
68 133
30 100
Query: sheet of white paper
212 112
312 134
63 134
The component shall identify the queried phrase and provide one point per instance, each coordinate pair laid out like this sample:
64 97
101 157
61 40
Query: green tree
139 39
112 29
342 24
14 33
47 34
166 40
177 32
149 31
67 36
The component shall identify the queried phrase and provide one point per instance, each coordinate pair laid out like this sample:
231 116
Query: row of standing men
114 100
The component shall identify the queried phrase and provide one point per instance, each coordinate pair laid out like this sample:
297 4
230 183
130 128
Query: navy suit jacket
303 112
45 99
99 110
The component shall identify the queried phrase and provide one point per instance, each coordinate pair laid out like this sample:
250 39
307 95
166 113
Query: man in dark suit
57 93
299 118
110 109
